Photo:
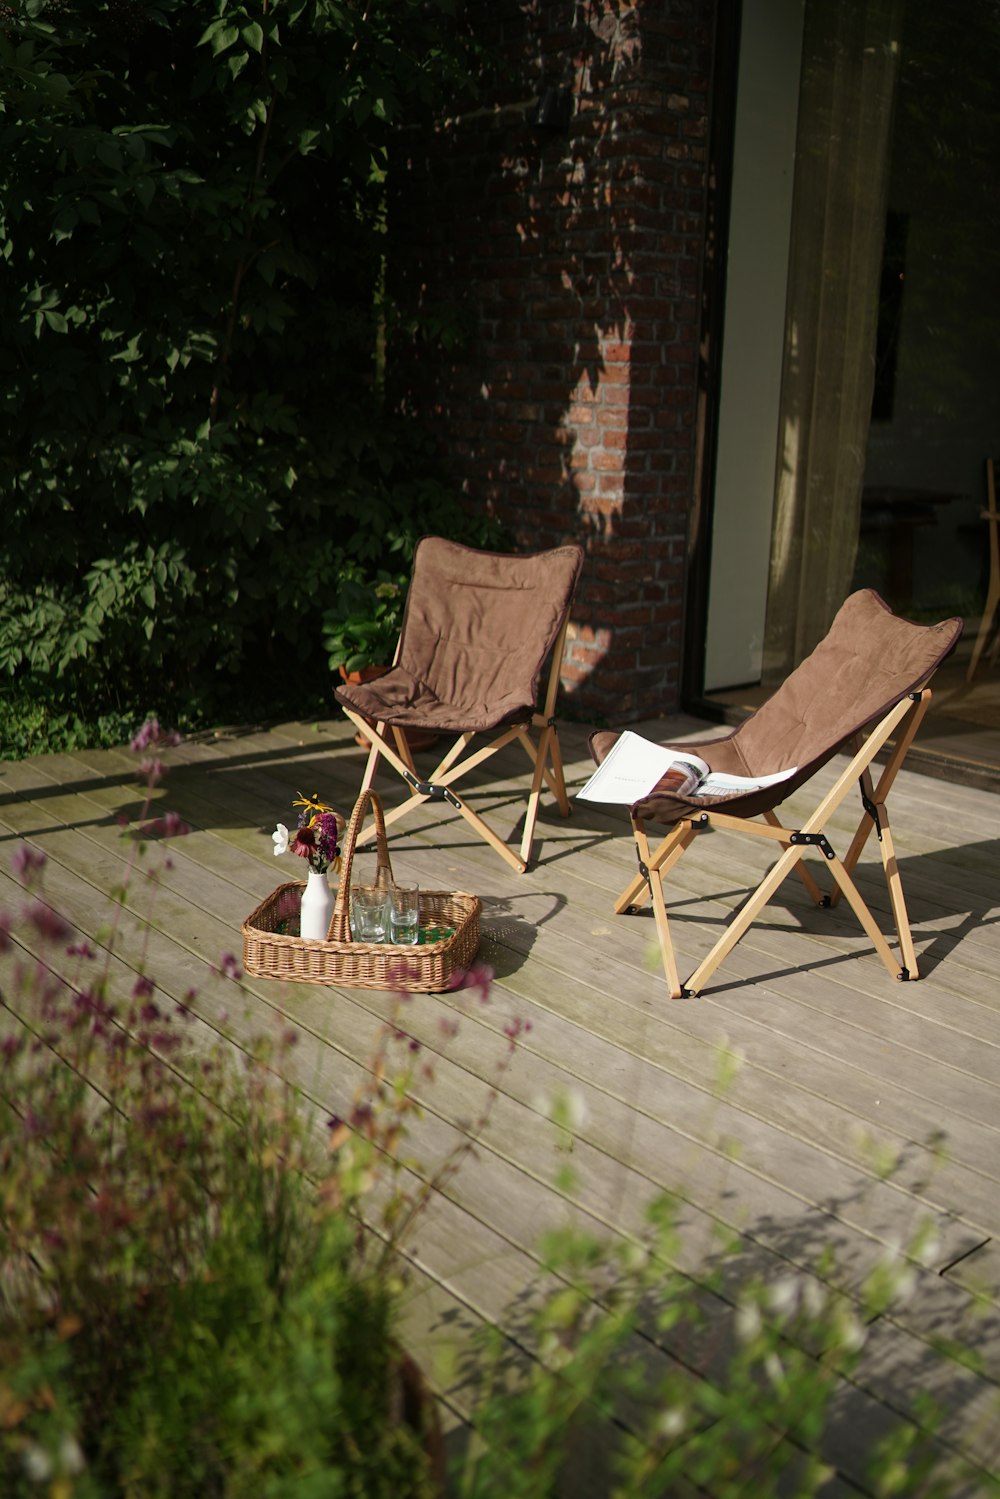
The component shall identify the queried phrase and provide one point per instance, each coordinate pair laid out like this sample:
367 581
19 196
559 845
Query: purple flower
479 977
142 988
170 825
11 1046
80 950
26 863
151 735
228 967
48 923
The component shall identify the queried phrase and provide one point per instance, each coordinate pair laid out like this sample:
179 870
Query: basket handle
340 923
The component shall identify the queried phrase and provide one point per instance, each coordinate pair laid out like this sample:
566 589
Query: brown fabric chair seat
410 704
868 662
869 673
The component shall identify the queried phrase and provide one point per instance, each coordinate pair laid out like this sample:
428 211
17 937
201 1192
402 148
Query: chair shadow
950 894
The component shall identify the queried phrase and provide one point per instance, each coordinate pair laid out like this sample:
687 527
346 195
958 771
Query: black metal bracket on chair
644 871
872 811
820 841
815 840
432 791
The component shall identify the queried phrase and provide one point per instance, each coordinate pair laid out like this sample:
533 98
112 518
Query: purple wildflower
170 825
26 863
48 923
479 977
152 735
10 1047
228 967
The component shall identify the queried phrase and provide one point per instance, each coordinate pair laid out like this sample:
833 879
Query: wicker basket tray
273 949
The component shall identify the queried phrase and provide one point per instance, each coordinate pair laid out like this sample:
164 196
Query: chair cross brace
433 791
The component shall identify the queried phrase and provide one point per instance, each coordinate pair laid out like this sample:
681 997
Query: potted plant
361 629
361 632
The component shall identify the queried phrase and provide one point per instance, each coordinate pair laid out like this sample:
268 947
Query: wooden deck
834 1054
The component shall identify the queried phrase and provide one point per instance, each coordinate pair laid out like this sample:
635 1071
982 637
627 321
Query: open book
634 765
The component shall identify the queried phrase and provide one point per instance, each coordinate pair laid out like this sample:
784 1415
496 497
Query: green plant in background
195 454
363 627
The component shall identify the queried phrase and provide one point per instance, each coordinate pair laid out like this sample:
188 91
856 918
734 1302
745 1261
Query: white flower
783 1295
748 1321
37 1463
280 839
670 1423
70 1455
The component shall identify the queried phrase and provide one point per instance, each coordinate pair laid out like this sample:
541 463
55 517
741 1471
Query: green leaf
64 223
109 153
56 321
224 38
253 35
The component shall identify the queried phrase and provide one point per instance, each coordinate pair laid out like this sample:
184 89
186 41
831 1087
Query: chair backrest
867 662
478 626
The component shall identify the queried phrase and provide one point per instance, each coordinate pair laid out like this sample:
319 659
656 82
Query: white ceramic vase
317 904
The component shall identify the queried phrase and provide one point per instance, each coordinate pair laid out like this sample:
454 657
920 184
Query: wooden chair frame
899 724
544 754
992 516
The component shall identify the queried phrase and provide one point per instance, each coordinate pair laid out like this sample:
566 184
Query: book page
632 768
717 783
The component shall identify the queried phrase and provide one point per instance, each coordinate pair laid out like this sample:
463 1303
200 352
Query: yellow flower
312 803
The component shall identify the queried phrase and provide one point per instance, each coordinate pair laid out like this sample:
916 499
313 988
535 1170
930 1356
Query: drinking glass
405 912
369 913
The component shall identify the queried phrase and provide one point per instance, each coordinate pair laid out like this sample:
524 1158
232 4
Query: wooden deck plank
832 1050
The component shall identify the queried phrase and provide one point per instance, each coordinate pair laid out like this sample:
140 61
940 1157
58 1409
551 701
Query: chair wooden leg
484 830
867 920
655 889
744 919
540 756
551 763
558 782
898 901
637 891
992 600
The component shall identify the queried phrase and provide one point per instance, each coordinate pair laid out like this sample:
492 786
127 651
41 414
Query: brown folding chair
870 673
477 630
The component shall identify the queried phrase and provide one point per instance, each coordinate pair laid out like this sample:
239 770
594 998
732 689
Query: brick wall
572 257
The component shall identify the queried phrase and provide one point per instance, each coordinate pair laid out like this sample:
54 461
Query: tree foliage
194 448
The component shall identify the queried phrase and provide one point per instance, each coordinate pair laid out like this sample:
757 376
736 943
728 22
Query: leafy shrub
194 449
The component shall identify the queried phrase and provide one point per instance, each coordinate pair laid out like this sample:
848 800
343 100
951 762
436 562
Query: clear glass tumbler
369 913
405 913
